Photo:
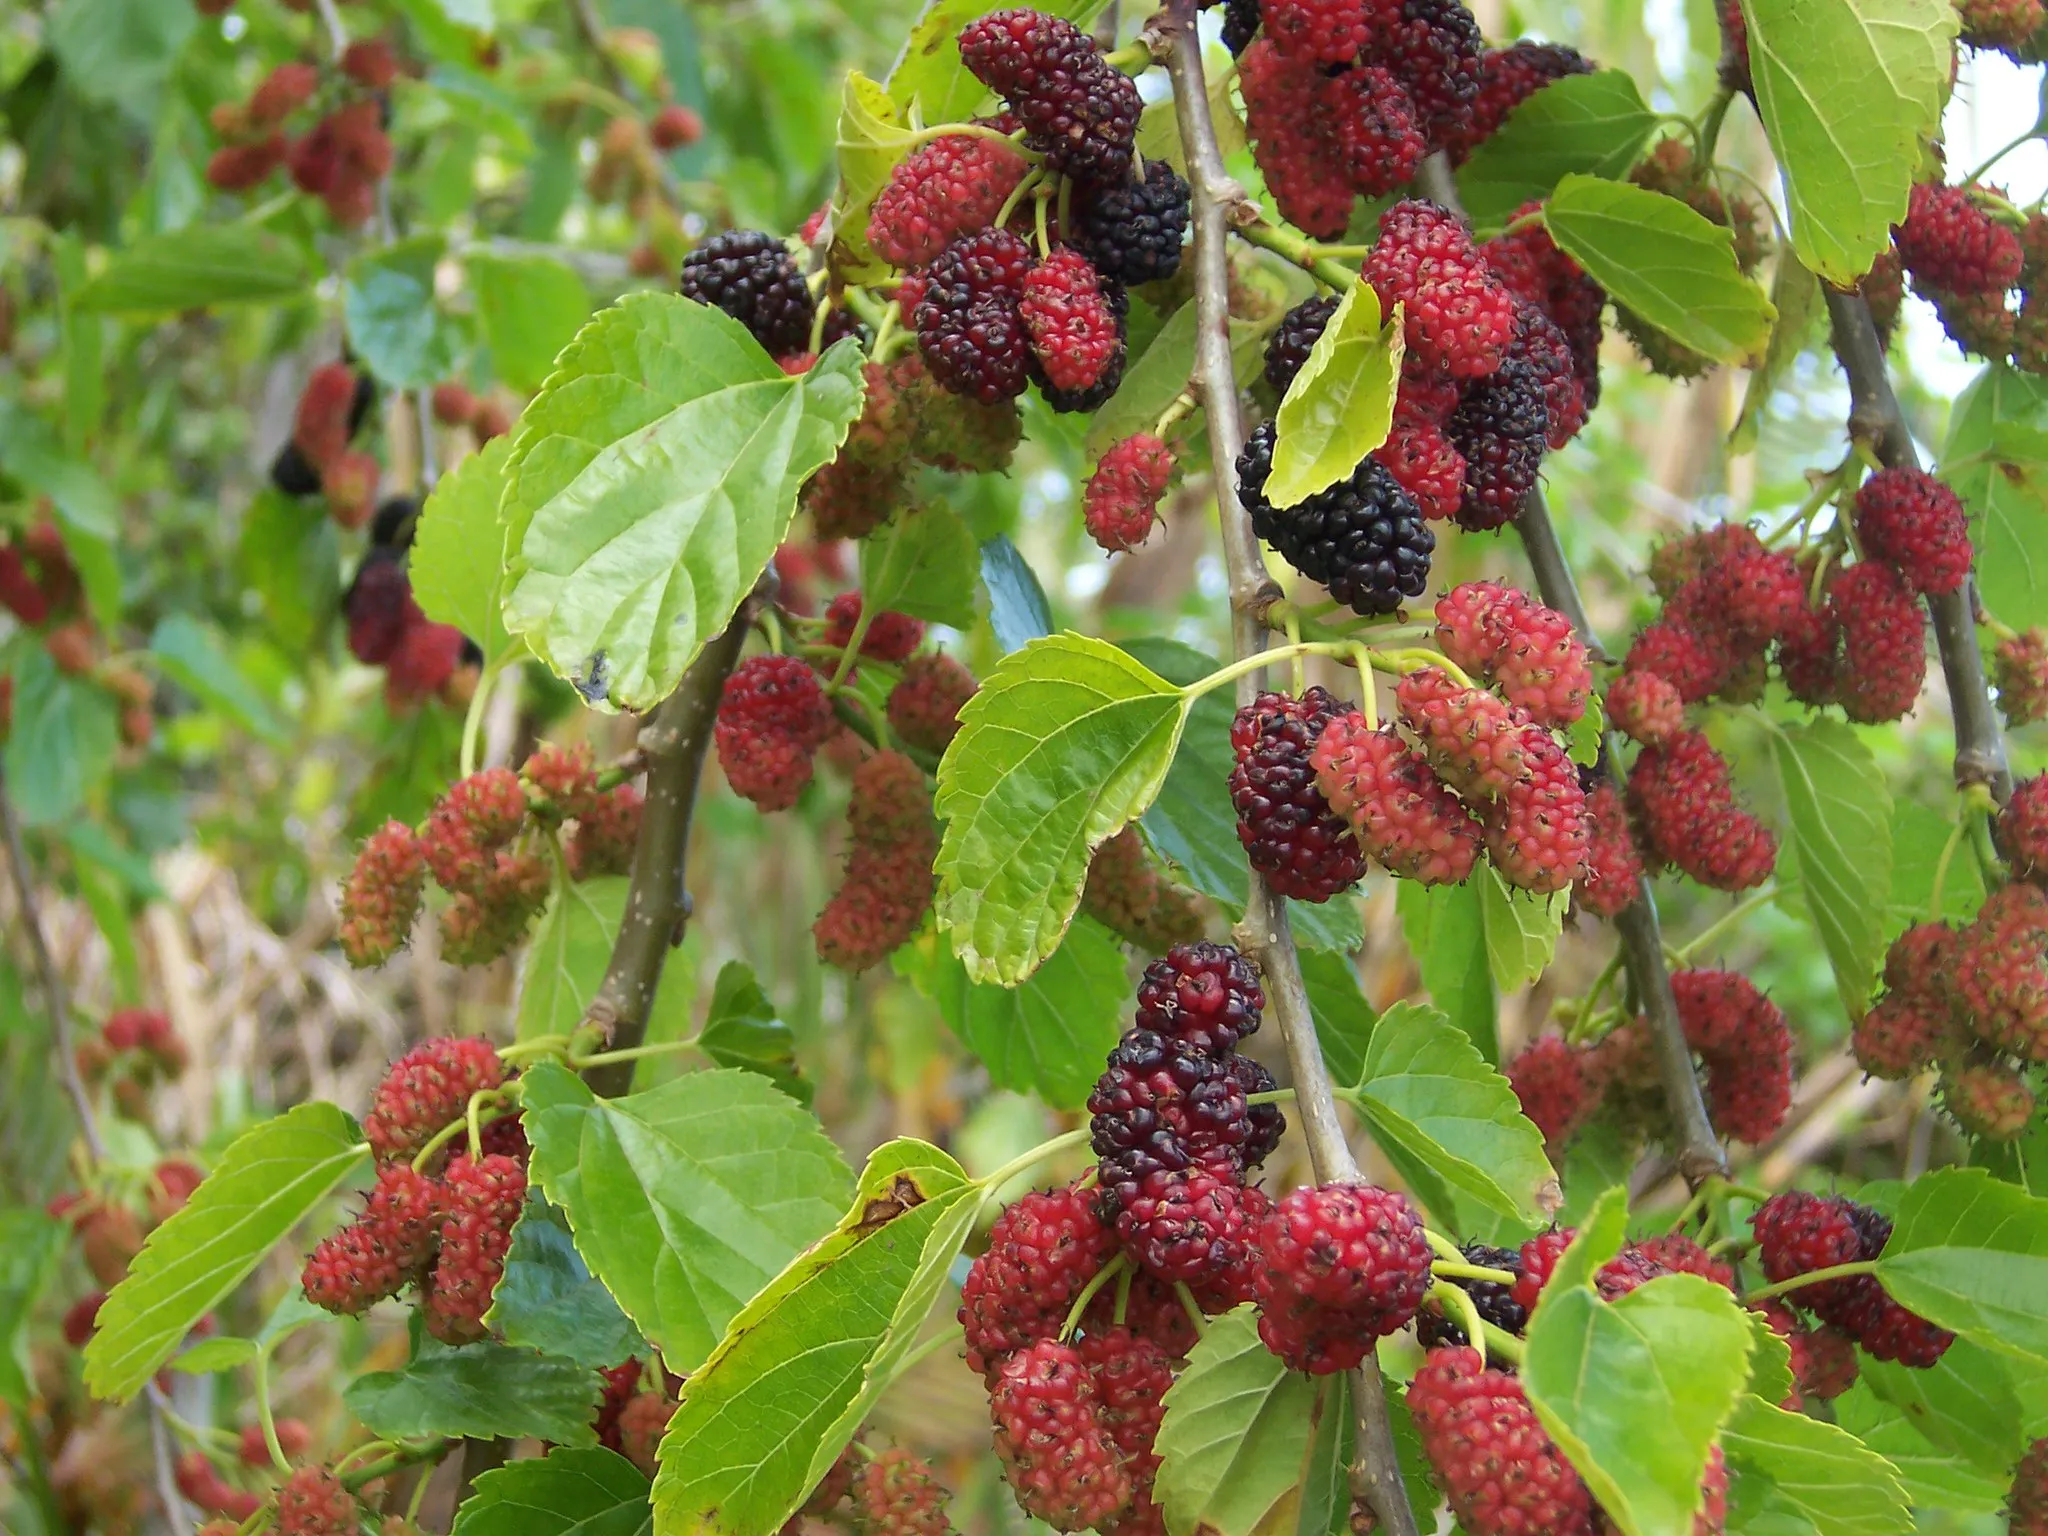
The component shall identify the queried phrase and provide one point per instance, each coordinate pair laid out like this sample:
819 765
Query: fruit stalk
1264 931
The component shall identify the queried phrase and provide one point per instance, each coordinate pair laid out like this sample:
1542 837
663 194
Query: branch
674 740
1698 1149
1214 194
1876 420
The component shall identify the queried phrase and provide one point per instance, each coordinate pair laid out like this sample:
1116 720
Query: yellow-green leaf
1341 405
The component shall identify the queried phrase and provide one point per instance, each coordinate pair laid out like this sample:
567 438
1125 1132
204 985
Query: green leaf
1996 459
687 1198
1770 1361
199 267
62 740
1664 261
31 1243
190 655
1017 610
1155 376
1789 1475
1971 1254
269 1179
118 53
1192 821
1850 93
290 561
548 1302
1447 1121
1341 404
1840 813
1445 927
1326 1483
1931 1479
1522 930
87 512
1586 737
1964 1404
874 134
1592 125
764 1418
591 1492
395 327
530 307
1796 295
480 1390
1634 1391
649 484
1919 834
458 551
1067 740
1235 1440
1343 1018
744 1030
1047 1036
922 562
566 960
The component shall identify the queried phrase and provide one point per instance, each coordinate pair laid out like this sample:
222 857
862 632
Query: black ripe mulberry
752 277
1363 538
1291 835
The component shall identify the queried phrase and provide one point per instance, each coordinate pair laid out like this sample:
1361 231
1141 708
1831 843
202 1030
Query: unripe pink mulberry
772 718
482 1200
1400 812
427 1088
381 897
1121 500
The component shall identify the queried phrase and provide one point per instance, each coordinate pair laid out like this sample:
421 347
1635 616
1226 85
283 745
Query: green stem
1194 1309
1031 1159
1811 1277
260 1369
473 720
1298 249
1463 1271
1103 1276
1983 170
635 1053
1722 924
1455 1298
1577 1032
1707 136
1262 659
1948 853
1446 1250
1183 404
1017 195
455 1128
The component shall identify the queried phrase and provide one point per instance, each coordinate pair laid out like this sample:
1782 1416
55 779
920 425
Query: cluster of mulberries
1984 268
1798 1233
1480 767
40 587
1000 302
1670 169
1344 99
1129 892
482 844
1502 367
445 1226
1741 1038
454 404
2019 668
1076 1409
1499 1468
1972 1002
339 159
1120 502
421 658
318 459
134 1049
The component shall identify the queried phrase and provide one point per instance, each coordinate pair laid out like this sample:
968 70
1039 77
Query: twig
675 740
1378 1471
59 1004
1875 419
1698 1149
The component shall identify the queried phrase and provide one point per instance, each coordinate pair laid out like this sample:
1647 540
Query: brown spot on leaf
903 1195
